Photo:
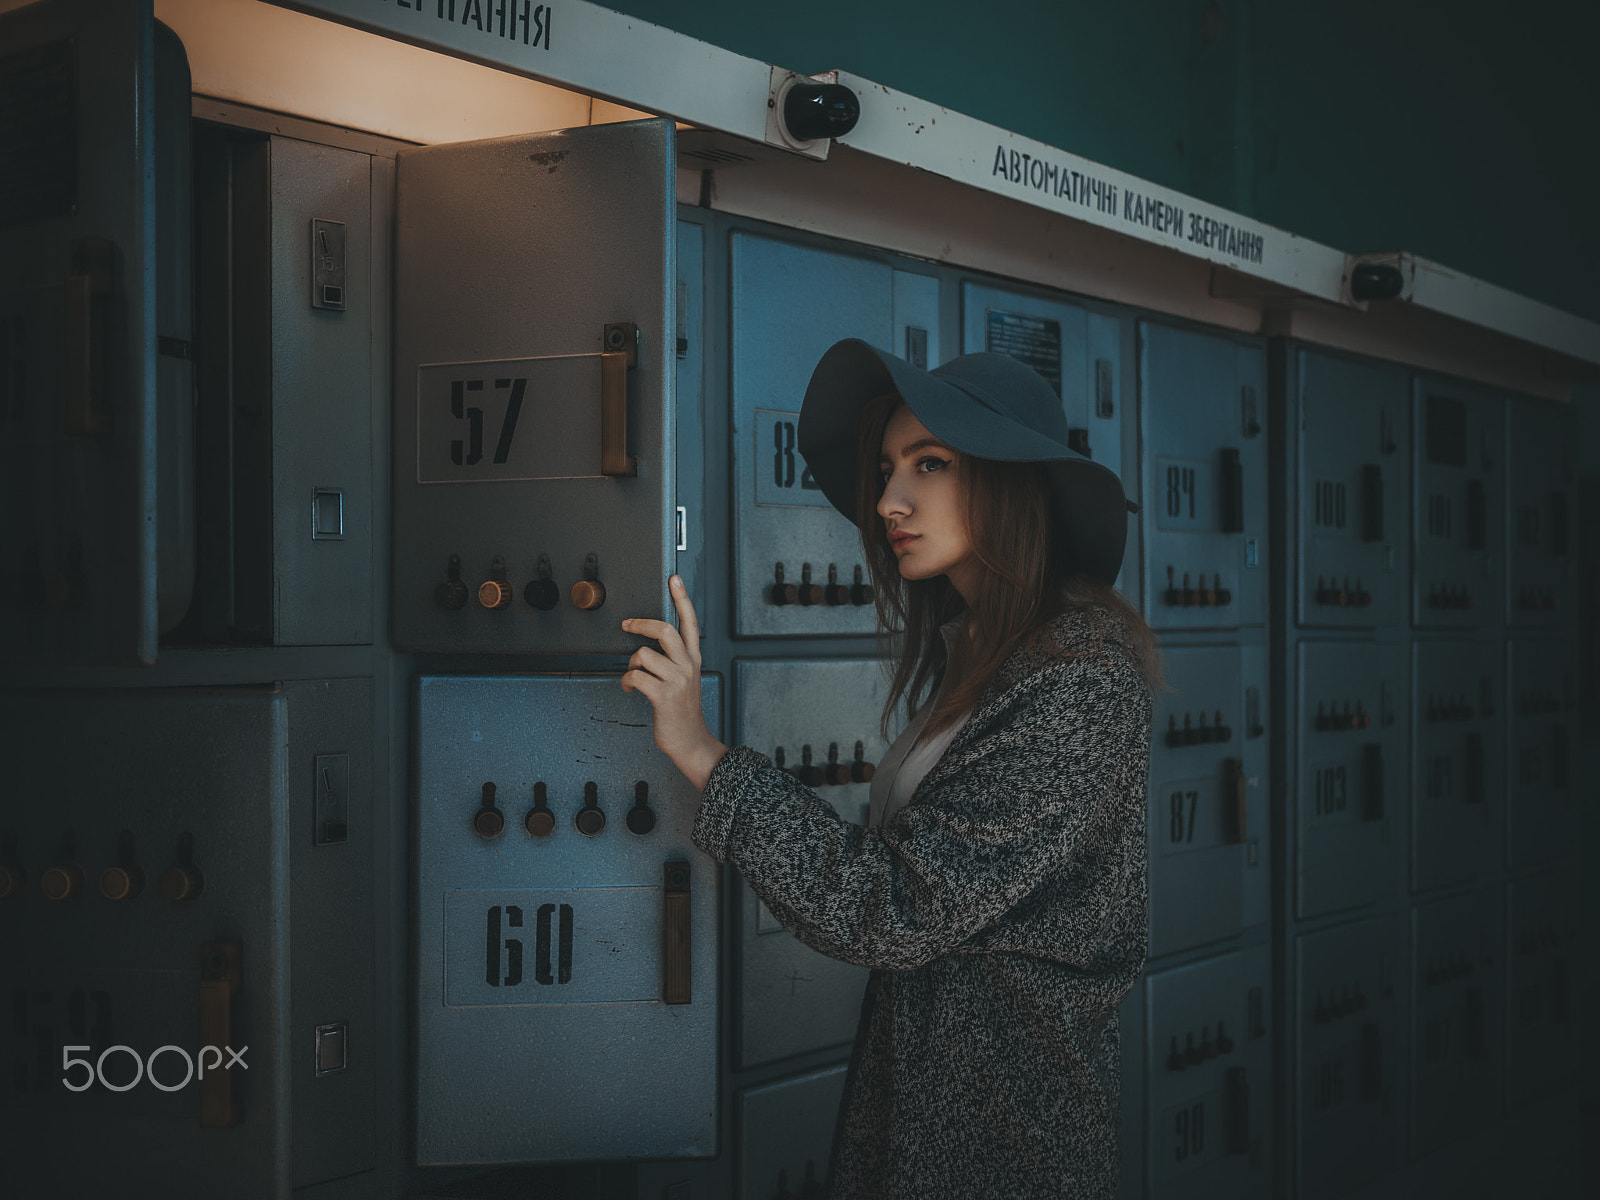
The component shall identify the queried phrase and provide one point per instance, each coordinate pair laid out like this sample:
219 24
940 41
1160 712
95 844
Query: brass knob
12 880
61 882
180 883
121 883
494 593
588 594
540 822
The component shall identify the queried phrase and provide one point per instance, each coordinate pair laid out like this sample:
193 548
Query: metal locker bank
364 363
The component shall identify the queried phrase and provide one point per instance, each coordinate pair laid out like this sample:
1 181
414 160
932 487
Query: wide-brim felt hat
987 405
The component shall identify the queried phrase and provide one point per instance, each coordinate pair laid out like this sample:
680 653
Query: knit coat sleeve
1052 758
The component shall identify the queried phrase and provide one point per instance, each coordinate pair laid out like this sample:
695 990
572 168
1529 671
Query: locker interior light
820 110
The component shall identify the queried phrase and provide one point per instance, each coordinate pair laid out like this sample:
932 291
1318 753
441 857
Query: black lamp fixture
1375 281
819 110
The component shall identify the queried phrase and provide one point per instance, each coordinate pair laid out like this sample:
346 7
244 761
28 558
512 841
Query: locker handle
219 983
1558 524
1235 796
621 341
1238 1094
675 961
1477 515
1232 491
1372 782
1371 1061
1560 758
1475 1022
87 296
1372 503
1474 768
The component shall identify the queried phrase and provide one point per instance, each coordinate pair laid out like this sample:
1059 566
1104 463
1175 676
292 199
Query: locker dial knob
588 594
494 593
121 883
63 881
180 883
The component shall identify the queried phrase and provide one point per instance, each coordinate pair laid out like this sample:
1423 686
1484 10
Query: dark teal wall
1465 131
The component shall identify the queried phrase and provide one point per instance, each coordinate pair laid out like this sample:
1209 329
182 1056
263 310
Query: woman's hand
670 680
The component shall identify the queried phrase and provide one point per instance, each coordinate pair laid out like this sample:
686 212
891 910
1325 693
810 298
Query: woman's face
923 504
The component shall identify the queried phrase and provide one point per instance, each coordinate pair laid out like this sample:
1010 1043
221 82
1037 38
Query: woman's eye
938 463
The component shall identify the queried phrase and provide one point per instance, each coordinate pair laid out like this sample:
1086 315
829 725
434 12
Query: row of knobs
1543 599
541 593
540 821
1192 1055
1451 595
1451 708
806 593
1343 597
835 773
1188 596
1192 735
1539 939
1332 721
1533 704
1332 1010
65 880
1457 966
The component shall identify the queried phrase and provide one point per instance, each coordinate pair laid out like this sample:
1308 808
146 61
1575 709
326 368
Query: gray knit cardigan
1002 912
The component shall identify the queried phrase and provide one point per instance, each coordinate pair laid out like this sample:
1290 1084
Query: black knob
861 771
836 593
590 820
452 593
540 821
641 817
820 110
542 594
836 772
488 821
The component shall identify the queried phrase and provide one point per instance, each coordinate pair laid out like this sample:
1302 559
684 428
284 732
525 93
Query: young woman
998 891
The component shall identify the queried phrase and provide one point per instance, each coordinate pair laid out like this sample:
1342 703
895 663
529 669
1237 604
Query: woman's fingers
669 638
653 661
688 623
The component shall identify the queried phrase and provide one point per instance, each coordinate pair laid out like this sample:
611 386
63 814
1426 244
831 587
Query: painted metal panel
804 714
1203 413
1457 760
1350 1071
1543 945
786 1134
190 824
1209 1078
1457 977
1353 445
689 344
521 430
1351 776
1541 514
1078 351
1208 810
96 405
789 304
1543 818
549 1027
321 425
1458 508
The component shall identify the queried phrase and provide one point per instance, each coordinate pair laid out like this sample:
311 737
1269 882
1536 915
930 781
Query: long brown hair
1020 591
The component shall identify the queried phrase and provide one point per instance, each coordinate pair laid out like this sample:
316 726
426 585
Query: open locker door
535 359
94 331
